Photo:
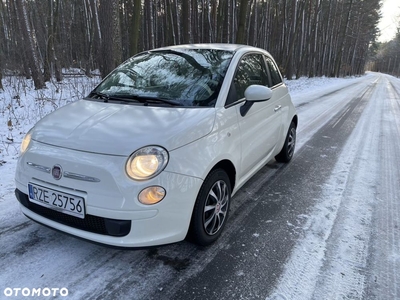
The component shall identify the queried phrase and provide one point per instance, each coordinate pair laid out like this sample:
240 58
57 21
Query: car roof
216 46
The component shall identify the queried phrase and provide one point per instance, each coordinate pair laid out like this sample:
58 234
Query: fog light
151 195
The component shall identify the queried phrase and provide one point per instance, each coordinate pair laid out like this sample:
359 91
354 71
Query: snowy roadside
21 106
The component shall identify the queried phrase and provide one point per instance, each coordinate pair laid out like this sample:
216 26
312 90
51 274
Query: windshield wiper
162 100
108 98
150 99
98 95
146 100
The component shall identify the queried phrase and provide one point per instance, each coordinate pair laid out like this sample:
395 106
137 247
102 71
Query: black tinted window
275 74
251 70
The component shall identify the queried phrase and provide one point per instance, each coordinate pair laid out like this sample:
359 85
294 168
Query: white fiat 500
155 152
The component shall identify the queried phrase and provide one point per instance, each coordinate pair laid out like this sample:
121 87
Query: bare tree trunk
195 32
150 22
50 57
171 18
234 21
202 22
186 24
1 72
342 39
57 64
110 36
178 19
292 35
212 19
155 24
30 42
89 38
135 33
220 20
20 41
240 35
313 41
1 52
256 28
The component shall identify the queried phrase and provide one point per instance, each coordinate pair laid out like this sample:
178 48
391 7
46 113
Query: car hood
120 129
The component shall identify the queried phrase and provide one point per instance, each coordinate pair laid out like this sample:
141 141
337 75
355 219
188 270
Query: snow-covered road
326 226
351 243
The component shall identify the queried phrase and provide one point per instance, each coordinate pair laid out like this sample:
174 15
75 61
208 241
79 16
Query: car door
260 127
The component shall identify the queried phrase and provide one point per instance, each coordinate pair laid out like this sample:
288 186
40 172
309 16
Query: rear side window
275 74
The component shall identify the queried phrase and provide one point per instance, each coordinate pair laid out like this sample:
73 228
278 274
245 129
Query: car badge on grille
56 172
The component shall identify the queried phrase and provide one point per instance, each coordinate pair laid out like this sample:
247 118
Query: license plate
63 202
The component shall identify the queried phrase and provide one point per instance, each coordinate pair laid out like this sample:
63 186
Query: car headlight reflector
25 142
146 162
151 195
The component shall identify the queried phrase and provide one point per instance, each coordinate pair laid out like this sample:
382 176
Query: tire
287 151
211 209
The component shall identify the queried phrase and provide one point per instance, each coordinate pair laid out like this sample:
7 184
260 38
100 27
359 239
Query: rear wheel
287 151
211 208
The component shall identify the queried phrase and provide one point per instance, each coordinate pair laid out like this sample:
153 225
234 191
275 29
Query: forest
41 38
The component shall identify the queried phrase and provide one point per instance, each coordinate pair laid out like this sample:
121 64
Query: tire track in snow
329 262
322 105
317 112
384 280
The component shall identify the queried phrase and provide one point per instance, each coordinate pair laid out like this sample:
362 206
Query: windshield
188 77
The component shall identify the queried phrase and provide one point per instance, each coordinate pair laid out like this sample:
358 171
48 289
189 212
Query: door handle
278 107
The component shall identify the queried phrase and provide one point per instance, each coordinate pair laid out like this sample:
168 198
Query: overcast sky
390 19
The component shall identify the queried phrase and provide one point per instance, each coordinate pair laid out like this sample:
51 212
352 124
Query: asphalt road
325 226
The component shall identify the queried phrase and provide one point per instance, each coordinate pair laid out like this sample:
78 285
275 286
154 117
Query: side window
275 74
251 70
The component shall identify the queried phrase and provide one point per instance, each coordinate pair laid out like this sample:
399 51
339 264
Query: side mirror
254 93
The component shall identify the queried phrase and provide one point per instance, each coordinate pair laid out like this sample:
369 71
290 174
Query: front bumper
90 223
114 216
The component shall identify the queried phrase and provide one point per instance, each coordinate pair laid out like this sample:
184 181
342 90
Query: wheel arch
230 170
295 120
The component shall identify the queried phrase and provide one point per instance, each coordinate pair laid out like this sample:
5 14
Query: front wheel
211 208
287 151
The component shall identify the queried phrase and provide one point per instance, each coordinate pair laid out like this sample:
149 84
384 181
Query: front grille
90 223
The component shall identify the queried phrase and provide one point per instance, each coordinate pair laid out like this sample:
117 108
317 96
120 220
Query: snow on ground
334 259
306 84
301 278
21 107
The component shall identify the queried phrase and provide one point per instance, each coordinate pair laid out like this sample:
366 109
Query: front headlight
146 162
25 142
